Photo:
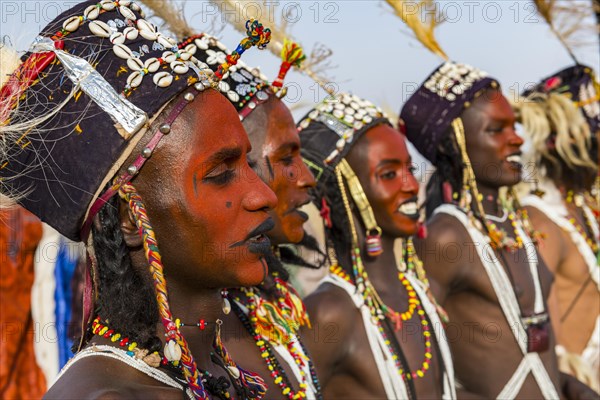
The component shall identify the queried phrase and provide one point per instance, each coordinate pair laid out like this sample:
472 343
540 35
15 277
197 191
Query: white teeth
514 158
409 208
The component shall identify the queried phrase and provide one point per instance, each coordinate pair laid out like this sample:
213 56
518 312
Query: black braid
126 297
449 168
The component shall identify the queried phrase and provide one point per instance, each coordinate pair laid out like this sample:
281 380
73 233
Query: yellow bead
428 355
103 330
420 373
278 380
115 337
286 390
132 346
426 334
265 354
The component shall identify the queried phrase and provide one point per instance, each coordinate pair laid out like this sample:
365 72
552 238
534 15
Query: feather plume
570 22
422 17
315 64
172 16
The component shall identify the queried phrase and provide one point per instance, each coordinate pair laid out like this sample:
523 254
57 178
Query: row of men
133 153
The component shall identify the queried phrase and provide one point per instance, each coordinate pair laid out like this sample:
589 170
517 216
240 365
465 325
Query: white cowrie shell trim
152 64
224 86
233 96
135 7
122 51
191 48
125 3
201 44
107 5
130 33
144 25
100 29
135 79
169 56
179 67
148 35
163 41
162 79
91 13
184 55
116 38
126 12
71 24
135 64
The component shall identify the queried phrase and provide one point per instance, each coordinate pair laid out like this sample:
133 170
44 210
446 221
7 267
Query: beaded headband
327 134
104 73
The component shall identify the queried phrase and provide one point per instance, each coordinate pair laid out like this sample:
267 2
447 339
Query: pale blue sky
375 57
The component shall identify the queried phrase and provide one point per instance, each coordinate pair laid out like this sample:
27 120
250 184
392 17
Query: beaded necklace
579 201
278 323
376 306
219 385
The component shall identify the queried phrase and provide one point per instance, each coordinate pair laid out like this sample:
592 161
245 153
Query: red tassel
447 192
422 232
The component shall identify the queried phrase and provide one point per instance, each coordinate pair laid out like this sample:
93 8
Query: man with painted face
480 249
561 118
262 330
377 332
140 150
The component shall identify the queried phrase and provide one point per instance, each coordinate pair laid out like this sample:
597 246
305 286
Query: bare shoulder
555 243
445 228
102 378
331 304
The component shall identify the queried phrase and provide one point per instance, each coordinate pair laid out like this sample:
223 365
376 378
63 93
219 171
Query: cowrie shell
115 38
172 351
152 64
107 5
202 44
179 67
91 12
126 12
162 79
130 33
164 41
100 29
191 48
338 113
135 64
234 371
148 35
224 86
125 3
135 7
122 51
304 124
169 56
135 79
144 25
71 24
184 55
233 96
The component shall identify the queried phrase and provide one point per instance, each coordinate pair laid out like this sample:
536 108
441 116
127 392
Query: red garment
20 376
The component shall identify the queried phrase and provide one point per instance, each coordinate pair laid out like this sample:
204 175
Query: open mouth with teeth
410 209
515 161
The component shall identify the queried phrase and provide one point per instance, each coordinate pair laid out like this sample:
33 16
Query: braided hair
126 296
449 171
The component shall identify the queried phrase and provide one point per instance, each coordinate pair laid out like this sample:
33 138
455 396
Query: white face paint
267 149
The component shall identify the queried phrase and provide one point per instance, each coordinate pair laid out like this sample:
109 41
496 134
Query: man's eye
220 175
388 175
287 161
412 170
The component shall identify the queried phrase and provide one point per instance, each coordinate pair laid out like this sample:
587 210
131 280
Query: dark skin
478 331
276 157
571 272
185 193
339 344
